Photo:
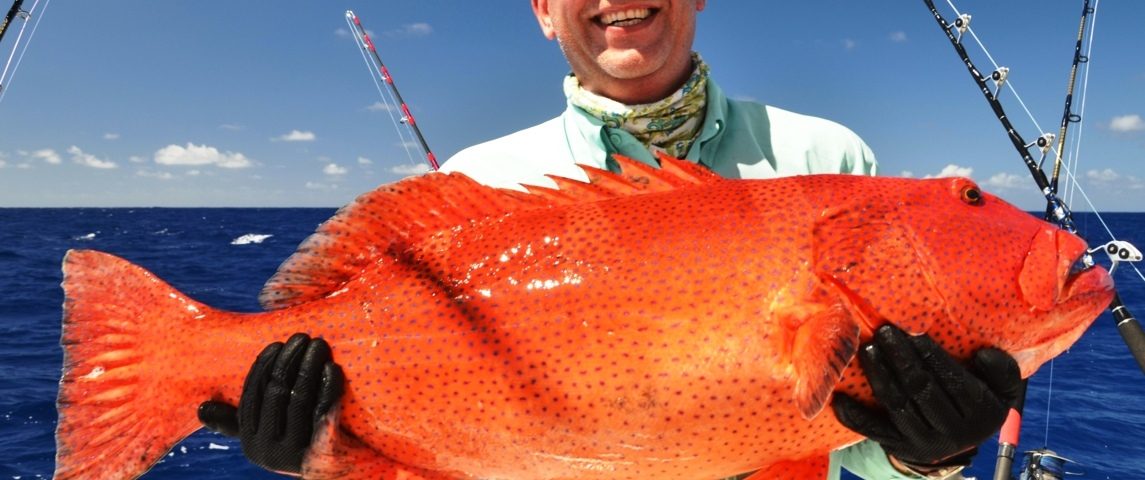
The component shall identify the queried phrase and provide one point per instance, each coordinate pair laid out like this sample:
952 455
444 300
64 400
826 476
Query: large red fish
662 323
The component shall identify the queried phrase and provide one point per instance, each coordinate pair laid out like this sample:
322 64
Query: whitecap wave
250 238
90 236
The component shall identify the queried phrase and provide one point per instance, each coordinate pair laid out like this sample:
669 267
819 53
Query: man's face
633 51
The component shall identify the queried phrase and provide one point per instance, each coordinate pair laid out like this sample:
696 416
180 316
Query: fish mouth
1083 278
1057 268
1082 292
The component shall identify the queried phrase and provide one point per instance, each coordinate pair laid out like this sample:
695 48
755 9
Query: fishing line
386 97
1008 84
1076 158
376 60
1057 210
1049 398
5 78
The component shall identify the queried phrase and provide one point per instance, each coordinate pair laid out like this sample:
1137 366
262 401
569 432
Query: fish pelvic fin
823 342
116 418
805 469
384 223
337 454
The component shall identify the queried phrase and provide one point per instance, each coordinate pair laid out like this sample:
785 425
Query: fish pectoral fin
822 345
337 454
808 468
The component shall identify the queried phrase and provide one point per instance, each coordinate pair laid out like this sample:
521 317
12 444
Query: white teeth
625 18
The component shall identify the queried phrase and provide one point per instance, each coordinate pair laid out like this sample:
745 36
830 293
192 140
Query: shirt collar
585 133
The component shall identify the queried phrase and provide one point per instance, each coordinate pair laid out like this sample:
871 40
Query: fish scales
665 324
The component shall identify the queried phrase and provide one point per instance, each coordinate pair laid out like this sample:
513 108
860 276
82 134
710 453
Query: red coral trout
656 323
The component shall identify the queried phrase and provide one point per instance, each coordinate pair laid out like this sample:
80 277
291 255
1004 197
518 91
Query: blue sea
1096 401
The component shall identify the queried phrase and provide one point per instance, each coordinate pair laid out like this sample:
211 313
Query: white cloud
200 155
419 29
334 169
1127 123
898 37
1103 176
1008 180
364 161
151 174
380 107
88 160
297 136
907 174
231 126
47 155
111 136
407 169
849 44
952 171
321 186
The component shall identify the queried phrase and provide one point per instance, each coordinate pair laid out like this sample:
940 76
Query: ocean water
1096 413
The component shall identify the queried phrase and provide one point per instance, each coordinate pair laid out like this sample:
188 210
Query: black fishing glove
935 411
288 390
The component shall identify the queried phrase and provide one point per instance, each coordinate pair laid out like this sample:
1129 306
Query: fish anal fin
805 469
337 454
876 264
821 343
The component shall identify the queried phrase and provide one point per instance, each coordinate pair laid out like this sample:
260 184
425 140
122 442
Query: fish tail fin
117 418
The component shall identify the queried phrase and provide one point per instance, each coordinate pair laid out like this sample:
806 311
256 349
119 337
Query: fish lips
1055 280
1054 272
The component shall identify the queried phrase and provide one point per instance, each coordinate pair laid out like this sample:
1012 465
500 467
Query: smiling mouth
625 18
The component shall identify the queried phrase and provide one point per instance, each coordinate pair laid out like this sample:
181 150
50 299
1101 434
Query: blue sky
212 103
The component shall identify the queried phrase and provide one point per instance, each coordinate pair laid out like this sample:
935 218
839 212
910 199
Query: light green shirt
739 139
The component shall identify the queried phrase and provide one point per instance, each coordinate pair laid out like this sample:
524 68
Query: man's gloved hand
288 390
935 411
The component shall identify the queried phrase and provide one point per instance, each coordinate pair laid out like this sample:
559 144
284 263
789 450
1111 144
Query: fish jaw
1068 299
1088 293
1049 266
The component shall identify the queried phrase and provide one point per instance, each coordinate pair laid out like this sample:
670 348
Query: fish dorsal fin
387 220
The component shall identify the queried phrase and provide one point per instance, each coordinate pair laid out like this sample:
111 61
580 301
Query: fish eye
971 195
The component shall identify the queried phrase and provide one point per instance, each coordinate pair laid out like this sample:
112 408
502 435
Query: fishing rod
21 44
1067 115
12 12
1127 325
367 45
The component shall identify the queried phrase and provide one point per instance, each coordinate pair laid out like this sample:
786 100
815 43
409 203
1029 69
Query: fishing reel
1044 464
1119 251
